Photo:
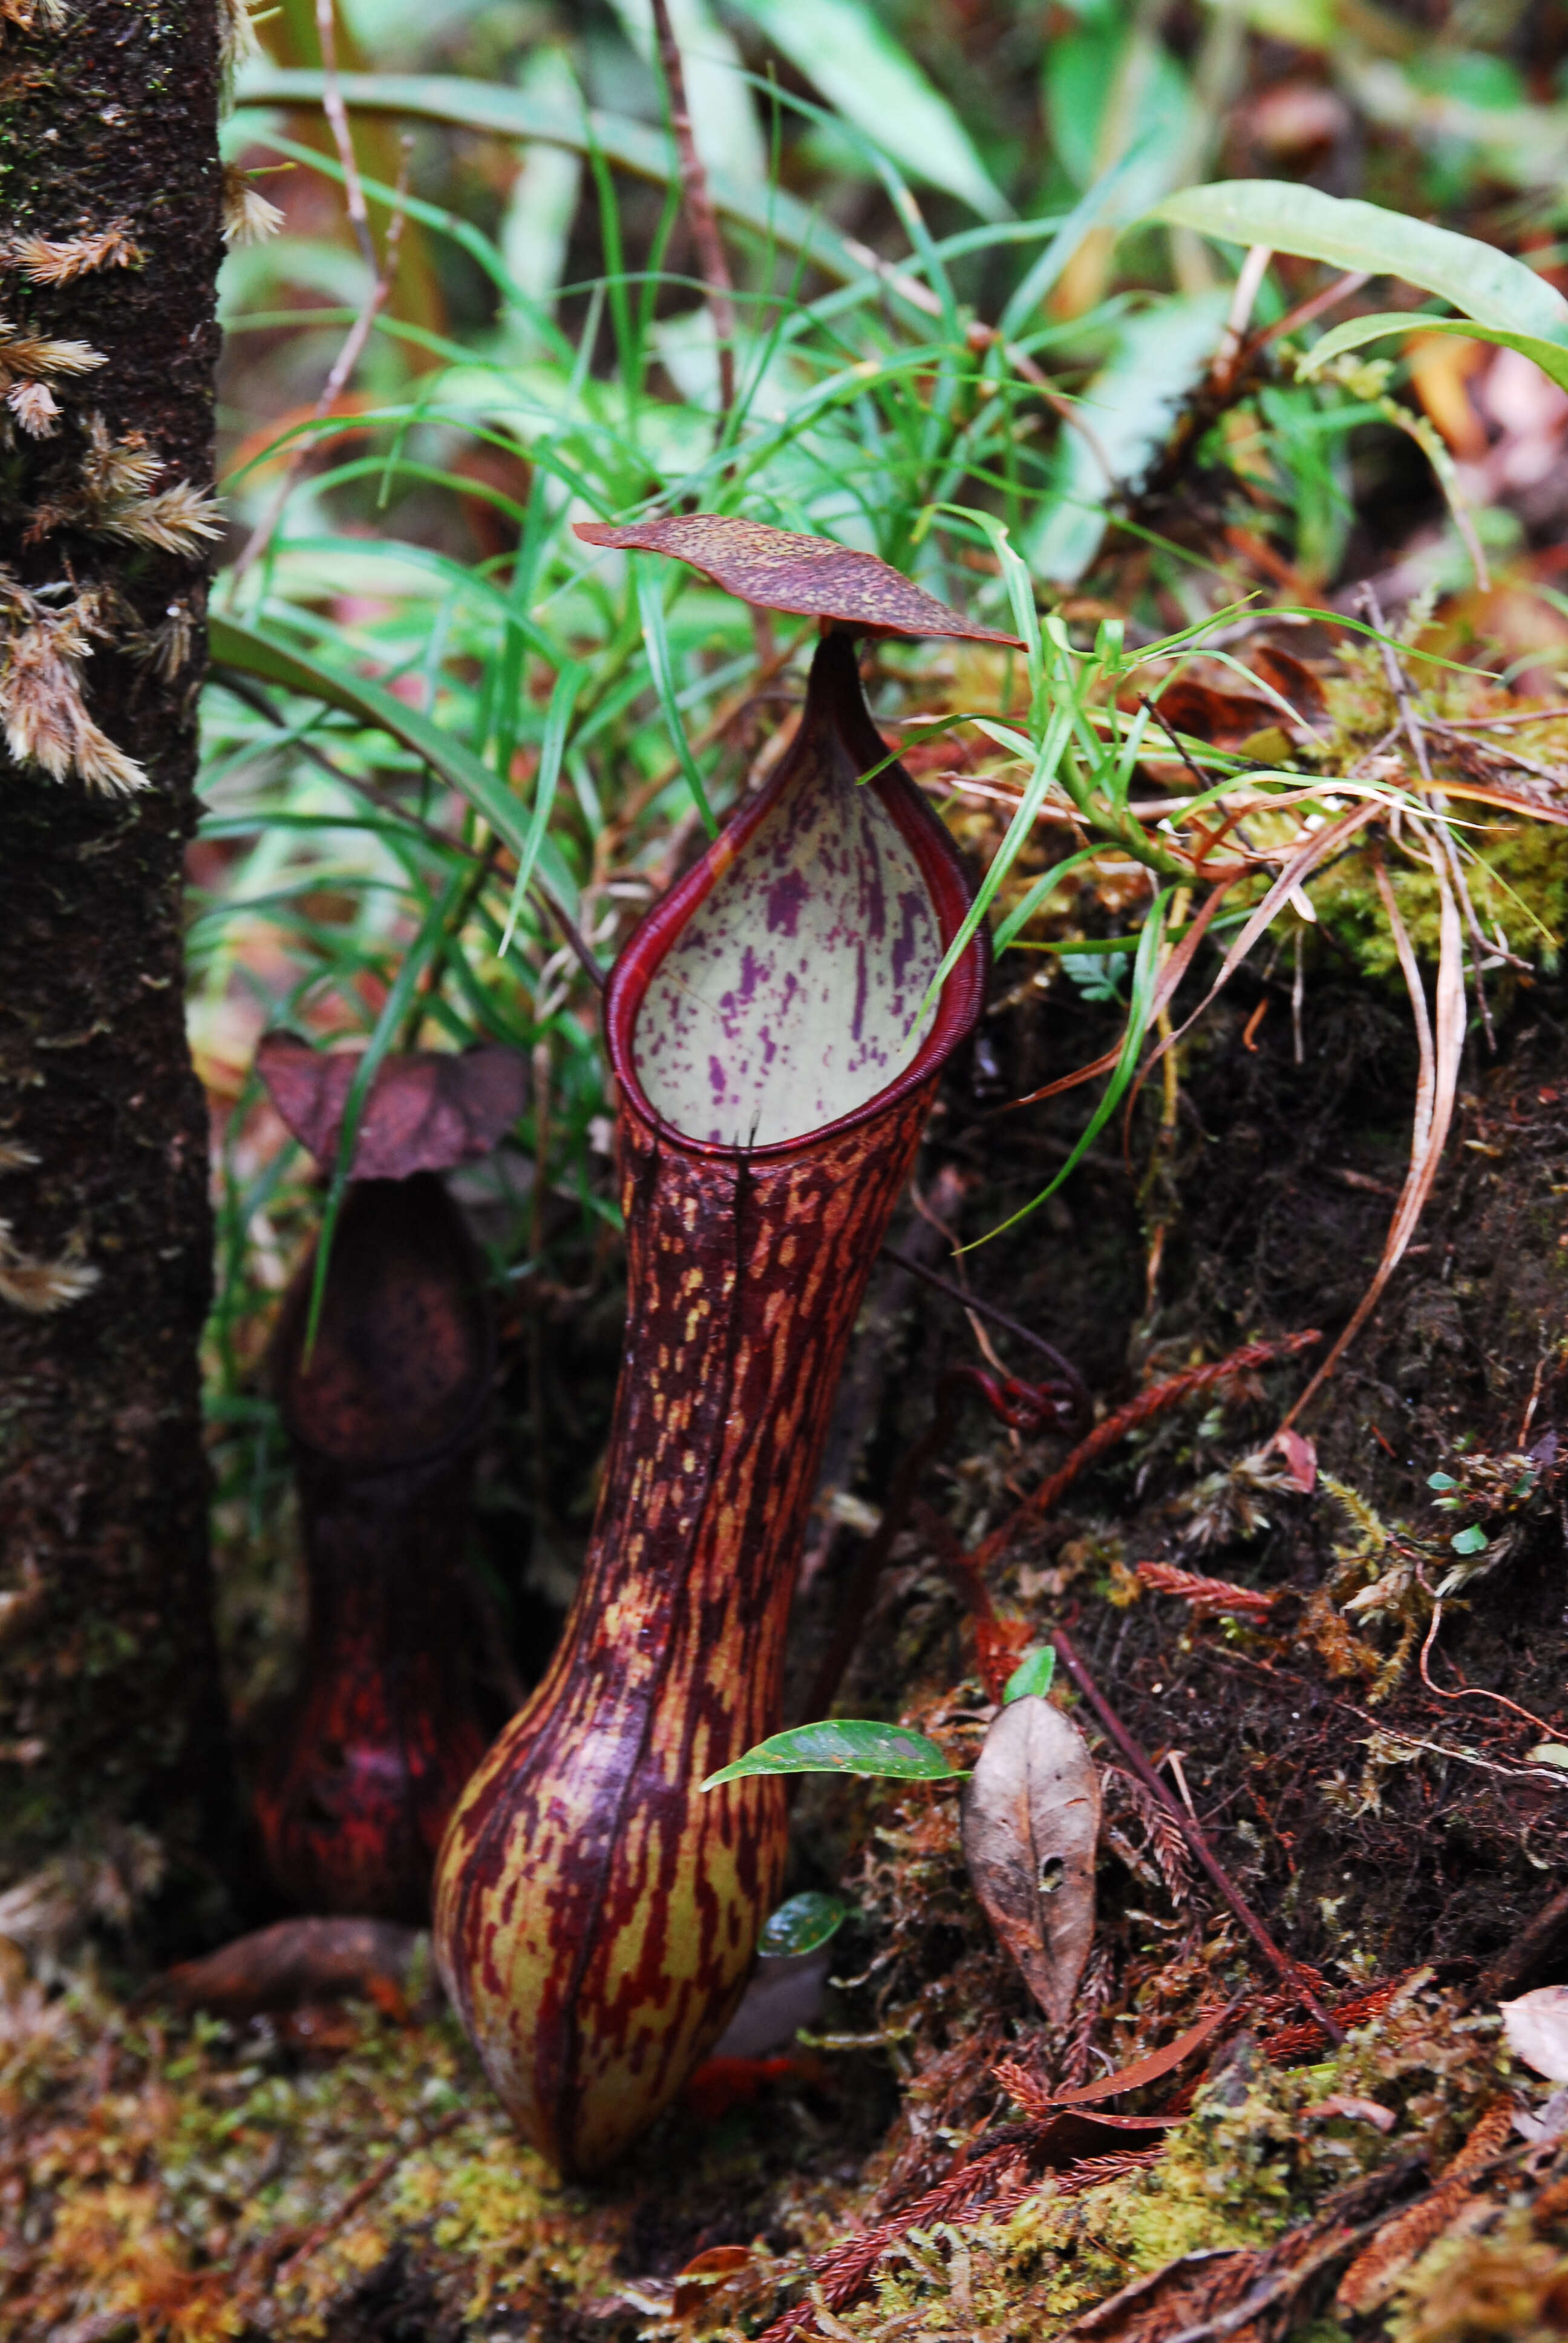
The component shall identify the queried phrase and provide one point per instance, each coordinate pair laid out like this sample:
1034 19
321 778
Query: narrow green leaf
1058 733
249 653
1139 1014
1042 888
634 147
650 604
1108 202
558 718
863 71
843 1746
1031 1677
1486 284
1551 357
806 1922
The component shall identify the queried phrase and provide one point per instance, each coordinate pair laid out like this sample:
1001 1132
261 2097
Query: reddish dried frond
1208 1597
779 569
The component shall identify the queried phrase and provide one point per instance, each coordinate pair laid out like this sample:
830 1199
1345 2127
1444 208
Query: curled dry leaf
779 569
1031 1821
428 1110
1537 2027
297 1961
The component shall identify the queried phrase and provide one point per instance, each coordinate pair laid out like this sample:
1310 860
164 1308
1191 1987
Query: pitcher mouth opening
775 997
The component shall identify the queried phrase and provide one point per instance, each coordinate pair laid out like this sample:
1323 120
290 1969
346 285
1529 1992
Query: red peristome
596 1913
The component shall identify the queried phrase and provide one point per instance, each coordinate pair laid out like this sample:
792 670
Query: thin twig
700 209
1290 1971
1305 311
1552 715
1366 597
1500 749
347 358
254 696
1468 1692
1229 356
984 337
724 715
337 114
989 1310
374 2179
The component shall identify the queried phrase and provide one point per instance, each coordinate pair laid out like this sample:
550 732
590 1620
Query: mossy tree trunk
110 191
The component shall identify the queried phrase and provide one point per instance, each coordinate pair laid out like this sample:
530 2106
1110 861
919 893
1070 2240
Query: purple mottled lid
779 569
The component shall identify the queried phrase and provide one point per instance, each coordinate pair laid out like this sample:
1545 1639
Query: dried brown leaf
427 1111
294 1961
1537 2027
1030 1825
779 569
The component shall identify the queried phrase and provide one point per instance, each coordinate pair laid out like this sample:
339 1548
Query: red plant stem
1290 1971
700 209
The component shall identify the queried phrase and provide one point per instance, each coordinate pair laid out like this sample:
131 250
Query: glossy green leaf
249 653
634 147
844 1744
1033 1677
800 1925
1486 284
863 71
1470 1540
1441 1481
1551 357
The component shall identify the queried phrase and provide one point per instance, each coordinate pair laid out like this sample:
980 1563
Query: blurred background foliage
949 317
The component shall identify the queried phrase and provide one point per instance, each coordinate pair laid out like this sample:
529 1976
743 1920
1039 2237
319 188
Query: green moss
1518 883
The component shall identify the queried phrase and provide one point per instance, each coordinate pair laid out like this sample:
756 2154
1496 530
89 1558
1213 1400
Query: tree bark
111 1713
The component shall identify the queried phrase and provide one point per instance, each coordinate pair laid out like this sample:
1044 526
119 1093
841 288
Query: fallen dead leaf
1537 2027
1030 1825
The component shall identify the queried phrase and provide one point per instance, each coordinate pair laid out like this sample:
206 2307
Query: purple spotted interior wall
792 995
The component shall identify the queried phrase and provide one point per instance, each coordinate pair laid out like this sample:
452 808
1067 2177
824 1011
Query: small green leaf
802 1925
1470 1540
847 1744
1031 1676
1441 1481
1549 1753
